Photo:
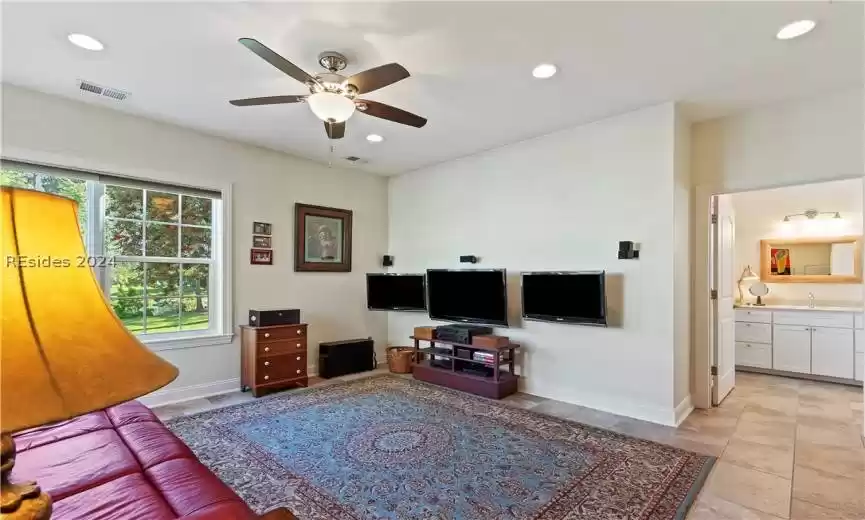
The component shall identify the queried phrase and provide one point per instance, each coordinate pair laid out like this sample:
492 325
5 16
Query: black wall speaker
468 259
387 261
627 251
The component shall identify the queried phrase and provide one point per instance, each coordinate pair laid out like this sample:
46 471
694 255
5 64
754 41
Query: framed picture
261 228
322 239
261 257
261 242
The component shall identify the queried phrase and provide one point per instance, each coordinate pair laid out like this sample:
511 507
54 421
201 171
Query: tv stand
466 373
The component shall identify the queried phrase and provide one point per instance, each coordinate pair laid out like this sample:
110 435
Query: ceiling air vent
93 88
356 160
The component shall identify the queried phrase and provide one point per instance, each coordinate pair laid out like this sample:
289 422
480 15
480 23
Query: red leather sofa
122 463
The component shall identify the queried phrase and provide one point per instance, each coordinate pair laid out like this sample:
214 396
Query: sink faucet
810 300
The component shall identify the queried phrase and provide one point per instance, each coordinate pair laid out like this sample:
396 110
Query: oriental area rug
386 447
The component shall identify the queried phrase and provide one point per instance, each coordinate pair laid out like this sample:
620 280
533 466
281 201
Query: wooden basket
399 359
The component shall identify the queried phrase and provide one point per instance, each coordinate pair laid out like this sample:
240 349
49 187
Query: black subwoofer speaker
338 358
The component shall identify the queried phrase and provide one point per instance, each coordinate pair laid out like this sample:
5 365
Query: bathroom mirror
811 260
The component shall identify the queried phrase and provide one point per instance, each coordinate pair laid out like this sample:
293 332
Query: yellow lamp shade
63 351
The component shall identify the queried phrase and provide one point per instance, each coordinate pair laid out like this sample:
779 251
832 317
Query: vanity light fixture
811 214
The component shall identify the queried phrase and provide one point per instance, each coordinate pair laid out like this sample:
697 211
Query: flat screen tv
565 297
395 292
470 295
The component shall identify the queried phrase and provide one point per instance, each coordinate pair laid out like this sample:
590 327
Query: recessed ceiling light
544 71
85 42
796 29
374 138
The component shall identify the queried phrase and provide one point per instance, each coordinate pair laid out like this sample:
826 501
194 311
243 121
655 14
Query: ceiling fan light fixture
330 107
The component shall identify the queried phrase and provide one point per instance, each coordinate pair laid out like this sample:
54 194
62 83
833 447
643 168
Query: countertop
801 307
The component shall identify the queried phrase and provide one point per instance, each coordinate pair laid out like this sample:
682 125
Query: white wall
795 142
266 184
760 214
563 201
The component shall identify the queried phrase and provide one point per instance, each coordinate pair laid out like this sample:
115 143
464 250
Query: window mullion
144 255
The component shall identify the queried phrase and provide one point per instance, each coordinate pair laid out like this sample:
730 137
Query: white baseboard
626 408
185 393
683 410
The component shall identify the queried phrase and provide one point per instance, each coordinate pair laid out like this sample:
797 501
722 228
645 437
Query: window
162 243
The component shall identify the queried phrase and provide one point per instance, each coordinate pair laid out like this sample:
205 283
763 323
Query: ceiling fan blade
335 130
397 115
276 60
270 100
378 77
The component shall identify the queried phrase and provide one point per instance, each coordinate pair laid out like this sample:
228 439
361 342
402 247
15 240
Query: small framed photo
261 228
261 242
261 257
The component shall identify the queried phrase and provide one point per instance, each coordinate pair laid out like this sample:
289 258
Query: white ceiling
470 63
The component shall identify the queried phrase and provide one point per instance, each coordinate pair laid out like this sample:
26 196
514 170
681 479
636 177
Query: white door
791 348
832 352
724 349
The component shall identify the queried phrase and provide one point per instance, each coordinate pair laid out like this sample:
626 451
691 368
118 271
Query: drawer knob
267 334
267 349
298 358
298 371
266 378
298 331
298 345
267 363
747 324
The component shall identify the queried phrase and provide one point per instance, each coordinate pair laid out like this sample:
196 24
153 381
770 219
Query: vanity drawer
841 320
754 354
753 332
753 316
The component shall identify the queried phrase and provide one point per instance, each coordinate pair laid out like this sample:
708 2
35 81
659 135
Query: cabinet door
832 352
791 348
860 366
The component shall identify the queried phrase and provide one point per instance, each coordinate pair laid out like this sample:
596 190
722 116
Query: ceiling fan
332 96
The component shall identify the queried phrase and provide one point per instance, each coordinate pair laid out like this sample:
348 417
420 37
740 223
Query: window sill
157 345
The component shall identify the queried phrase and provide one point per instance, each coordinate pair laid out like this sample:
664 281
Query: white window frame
221 328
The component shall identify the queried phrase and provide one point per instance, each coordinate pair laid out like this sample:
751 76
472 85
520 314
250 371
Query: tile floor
787 448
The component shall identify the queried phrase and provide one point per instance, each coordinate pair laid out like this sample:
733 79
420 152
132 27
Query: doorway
787 293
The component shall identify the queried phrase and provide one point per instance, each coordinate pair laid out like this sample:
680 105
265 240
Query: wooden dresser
272 358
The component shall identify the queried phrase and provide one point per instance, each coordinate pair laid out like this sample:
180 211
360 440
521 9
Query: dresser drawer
754 354
278 348
842 320
753 316
277 333
278 368
753 332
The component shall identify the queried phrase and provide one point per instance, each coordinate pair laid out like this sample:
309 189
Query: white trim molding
157 344
683 410
186 393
